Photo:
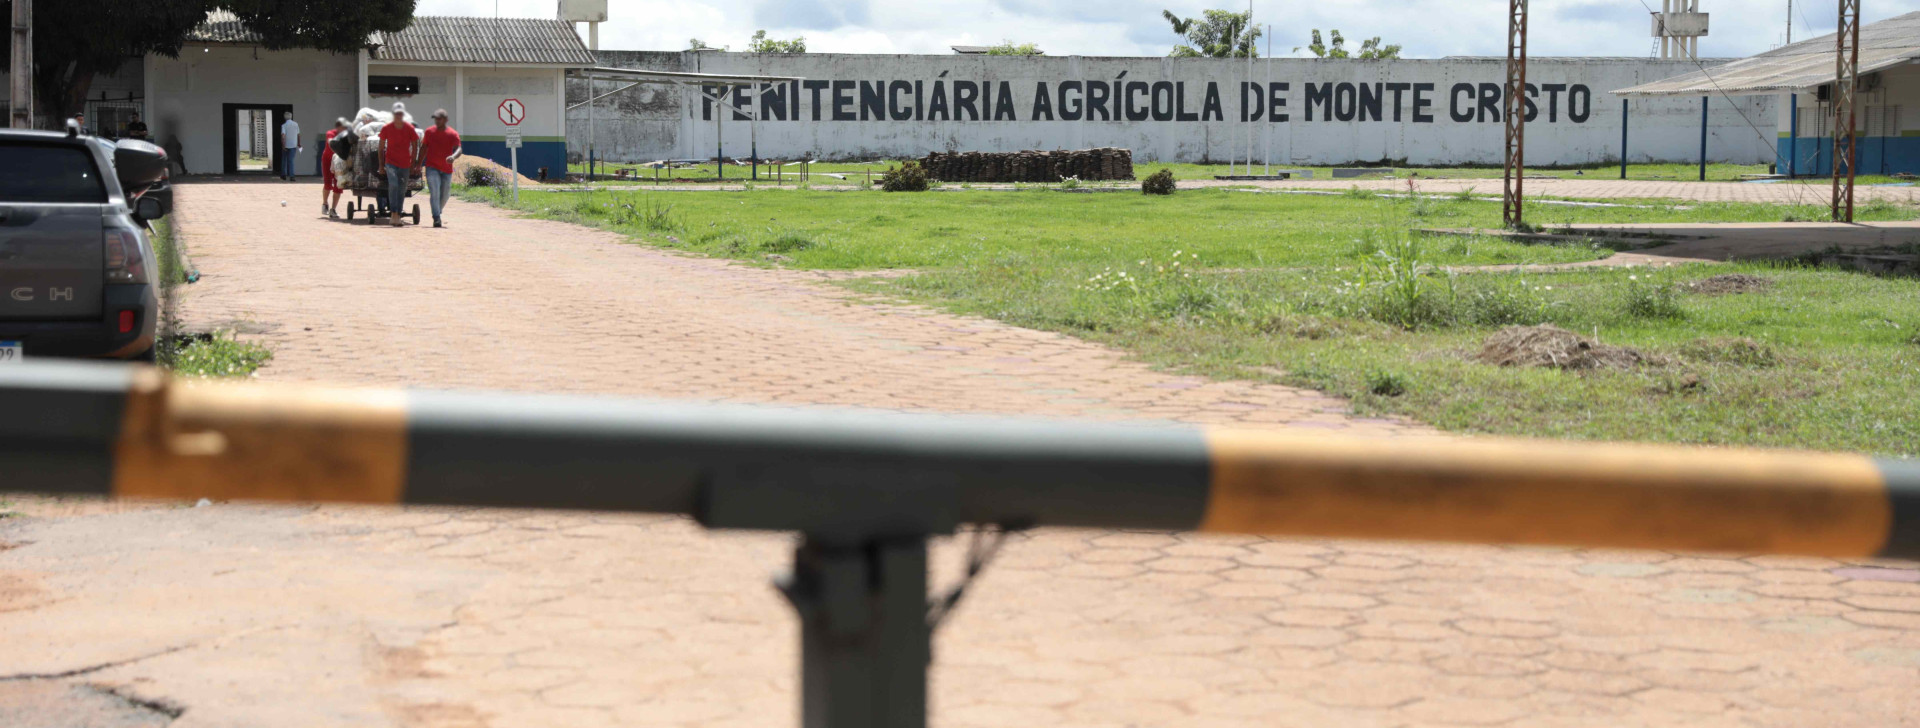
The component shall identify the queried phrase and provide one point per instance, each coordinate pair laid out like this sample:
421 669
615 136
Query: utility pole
1846 79
1789 22
21 80
1515 114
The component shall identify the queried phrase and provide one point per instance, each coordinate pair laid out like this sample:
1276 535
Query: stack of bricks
1033 166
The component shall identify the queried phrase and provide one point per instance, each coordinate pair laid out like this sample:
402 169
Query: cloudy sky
1428 28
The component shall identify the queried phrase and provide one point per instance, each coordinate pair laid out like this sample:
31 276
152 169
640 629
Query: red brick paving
334 616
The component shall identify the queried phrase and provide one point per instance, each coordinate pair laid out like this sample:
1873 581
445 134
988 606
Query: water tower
591 12
1679 27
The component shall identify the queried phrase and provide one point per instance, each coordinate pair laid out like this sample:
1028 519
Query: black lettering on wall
816 87
1370 98
1252 99
919 100
1042 103
1163 101
1072 107
1003 103
896 110
937 109
1533 110
1579 103
1345 101
1553 99
1421 103
873 100
1180 112
1136 110
1490 101
1320 95
1210 109
1461 112
843 101
1398 90
1276 102
706 103
741 103
1098 94
965 93
793 99
773 99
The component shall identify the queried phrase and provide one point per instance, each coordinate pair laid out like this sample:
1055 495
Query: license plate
11 352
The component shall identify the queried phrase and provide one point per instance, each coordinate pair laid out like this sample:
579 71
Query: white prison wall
1429 112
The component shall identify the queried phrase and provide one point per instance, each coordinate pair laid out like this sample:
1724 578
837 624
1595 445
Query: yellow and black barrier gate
867 490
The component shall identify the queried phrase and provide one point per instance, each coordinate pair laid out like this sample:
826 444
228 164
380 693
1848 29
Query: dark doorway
247 128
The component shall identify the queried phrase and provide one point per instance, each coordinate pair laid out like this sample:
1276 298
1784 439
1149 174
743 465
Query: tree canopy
1216 34
1370 49
762 44
76 40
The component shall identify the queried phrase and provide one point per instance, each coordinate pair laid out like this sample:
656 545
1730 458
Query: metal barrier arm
867 490
856 475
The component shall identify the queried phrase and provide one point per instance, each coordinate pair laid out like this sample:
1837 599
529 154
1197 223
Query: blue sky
1428 28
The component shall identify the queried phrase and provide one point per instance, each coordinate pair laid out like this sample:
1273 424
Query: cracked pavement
242 615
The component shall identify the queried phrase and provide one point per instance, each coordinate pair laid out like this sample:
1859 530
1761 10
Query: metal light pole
1846 78
21 80
1516 113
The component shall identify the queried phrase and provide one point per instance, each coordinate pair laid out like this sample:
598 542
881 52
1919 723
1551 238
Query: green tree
76 40
762 44
1370 49
1216 34
1009 48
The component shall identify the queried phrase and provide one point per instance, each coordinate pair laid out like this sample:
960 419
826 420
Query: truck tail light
124 262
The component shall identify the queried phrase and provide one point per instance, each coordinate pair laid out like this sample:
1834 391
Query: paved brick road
247 616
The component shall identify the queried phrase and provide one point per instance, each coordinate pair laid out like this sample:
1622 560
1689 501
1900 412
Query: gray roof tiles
1796 67
435 39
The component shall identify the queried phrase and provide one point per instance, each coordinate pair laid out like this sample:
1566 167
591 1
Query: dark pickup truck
77 270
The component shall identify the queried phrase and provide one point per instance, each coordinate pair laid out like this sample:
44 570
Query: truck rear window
49 173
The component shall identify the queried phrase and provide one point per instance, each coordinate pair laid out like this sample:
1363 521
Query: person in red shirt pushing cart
400 148
439 146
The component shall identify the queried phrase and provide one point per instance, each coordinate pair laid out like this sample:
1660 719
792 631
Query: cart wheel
351 208
416 214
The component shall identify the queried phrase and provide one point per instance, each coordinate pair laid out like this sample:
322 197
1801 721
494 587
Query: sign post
511 113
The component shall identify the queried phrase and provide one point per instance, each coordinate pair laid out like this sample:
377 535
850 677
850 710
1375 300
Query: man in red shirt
399 147
439 146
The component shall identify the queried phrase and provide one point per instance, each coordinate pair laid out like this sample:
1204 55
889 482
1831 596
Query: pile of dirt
1088 165
1730 283
461 165
1555 347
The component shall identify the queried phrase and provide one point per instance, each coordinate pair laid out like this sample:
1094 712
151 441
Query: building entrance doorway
252 137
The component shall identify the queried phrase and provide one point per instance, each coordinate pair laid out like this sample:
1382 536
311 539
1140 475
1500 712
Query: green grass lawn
1332 292
1676 172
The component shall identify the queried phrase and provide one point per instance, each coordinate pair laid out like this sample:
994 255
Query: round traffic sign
512 112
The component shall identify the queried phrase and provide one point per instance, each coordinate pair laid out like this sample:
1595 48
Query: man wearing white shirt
289 146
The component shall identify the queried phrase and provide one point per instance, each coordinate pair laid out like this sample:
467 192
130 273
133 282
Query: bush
480 175
1159 183
1386 384
908 177
1650 299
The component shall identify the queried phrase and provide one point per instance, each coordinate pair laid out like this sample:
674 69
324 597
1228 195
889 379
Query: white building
468 66
1799 77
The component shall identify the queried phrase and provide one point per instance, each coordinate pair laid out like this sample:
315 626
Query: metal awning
642 76
1795 68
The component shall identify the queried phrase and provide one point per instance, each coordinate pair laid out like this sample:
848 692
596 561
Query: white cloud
1427 28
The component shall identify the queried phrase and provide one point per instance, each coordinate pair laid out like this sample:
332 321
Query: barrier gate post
865 639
